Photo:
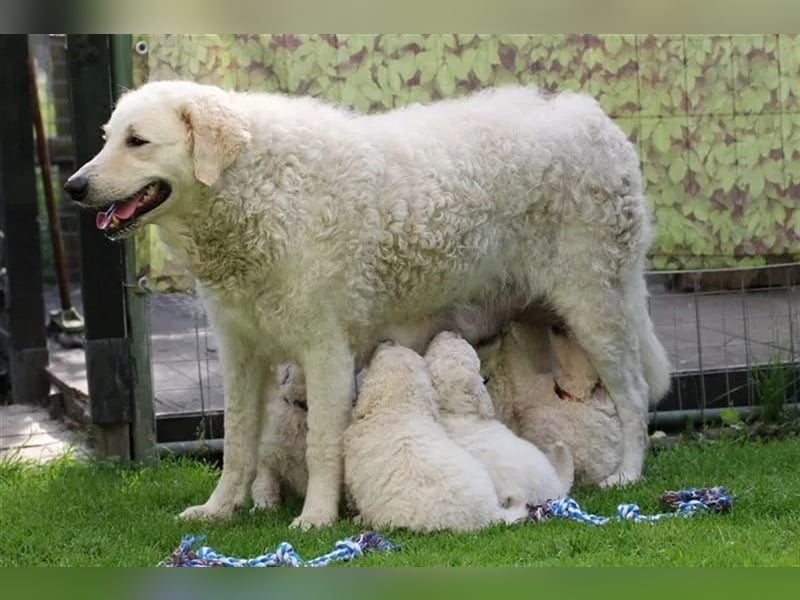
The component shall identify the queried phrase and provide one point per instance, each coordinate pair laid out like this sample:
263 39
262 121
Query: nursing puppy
521 472
546 390
282 448
400 467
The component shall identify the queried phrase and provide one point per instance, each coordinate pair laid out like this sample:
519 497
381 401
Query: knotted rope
284 556
684 503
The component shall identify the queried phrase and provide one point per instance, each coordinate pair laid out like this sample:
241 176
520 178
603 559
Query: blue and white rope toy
284 556
684 502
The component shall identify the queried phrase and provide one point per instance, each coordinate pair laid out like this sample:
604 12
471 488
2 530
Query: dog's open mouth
121 217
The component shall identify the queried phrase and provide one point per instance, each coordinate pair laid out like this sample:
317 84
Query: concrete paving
28 432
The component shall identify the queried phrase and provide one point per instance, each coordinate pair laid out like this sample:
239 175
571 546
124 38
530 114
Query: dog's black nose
77 187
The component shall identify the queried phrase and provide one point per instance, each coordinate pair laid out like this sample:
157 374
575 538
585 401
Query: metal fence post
27 340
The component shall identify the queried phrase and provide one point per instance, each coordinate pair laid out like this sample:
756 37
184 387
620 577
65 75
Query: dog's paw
206 512
619 479
308 521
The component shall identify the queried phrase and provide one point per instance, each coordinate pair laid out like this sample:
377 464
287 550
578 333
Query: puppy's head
490 357
292 385
456 376
396 381
164 144
573 370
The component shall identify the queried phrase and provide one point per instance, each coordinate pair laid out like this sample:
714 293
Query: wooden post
27 343
108 355
143 433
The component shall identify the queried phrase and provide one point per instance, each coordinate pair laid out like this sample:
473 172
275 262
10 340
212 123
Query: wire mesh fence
721 328
186 370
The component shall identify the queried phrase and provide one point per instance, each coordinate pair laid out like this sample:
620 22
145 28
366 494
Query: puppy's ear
370 390
485 404
218 134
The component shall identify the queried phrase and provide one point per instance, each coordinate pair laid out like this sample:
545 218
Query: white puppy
400 467
520 471
546 400
282 449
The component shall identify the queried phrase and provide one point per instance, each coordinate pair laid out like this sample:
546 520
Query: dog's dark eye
486 380
134 140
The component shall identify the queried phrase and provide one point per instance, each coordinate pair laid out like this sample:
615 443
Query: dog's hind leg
330 389
245 380
609 337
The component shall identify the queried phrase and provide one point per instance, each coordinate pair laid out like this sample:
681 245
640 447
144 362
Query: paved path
28 432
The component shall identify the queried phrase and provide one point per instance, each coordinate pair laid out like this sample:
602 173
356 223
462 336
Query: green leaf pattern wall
716 118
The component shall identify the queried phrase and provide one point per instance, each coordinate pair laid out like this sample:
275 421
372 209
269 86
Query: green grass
772 383
73 513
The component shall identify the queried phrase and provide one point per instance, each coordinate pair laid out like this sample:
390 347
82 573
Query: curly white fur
521 379
520 472
314 232
400 467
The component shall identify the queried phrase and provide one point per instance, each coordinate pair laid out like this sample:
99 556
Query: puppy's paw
311 520
620 479
264 503
207 512
266 494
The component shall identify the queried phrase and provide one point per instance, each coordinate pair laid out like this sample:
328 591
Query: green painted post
143 437
108 363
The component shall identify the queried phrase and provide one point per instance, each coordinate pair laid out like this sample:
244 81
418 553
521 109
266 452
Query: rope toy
284 556
684 503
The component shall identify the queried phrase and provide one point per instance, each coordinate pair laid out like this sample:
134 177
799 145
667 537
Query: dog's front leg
330 390
244 378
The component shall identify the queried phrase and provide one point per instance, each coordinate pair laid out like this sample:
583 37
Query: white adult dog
314 232
521 473
401 467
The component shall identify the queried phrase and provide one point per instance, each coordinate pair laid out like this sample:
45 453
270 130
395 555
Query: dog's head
164 144
455 372
398 381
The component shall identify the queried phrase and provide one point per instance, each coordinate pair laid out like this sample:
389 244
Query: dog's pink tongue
126 210
122 211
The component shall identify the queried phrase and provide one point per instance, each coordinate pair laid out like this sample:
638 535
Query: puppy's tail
561 459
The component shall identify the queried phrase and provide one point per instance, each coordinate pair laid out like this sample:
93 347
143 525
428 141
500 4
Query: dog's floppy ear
218 134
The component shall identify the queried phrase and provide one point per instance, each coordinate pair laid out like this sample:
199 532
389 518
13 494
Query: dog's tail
655 362
561 459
